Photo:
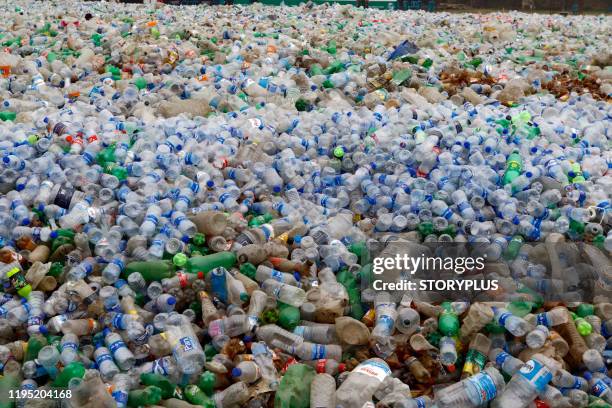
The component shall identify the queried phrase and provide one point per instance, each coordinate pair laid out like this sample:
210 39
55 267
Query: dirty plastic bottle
531 380
473 391
362 382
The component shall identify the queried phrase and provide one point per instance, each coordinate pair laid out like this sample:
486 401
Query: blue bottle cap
236 372
171 300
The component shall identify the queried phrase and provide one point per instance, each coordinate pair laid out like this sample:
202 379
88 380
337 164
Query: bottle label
542 319
116 346
474 362
503 317
118 321
277 275
374 369
501 358
420 402
182 278
214 329
187 343
599 388
159 367
121 398
485 386
578 383
536 373
103 358
318 351
69 345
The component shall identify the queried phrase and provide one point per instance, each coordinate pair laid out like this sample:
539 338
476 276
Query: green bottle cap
583 327
301 105
199 239
339 152
140 83
179 259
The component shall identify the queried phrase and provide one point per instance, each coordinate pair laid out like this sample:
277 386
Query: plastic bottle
362 382
531 379
473 391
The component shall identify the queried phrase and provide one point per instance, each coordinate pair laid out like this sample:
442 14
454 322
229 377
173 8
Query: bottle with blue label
529 381
386 314
472 392
122 354
186 348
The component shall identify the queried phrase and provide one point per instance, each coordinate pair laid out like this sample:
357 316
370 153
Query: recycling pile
189 197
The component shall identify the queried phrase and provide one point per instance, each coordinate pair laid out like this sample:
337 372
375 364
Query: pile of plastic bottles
188 196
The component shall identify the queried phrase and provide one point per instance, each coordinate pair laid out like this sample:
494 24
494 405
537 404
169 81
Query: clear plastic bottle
529 381
473 391
186 348
263 358
361 383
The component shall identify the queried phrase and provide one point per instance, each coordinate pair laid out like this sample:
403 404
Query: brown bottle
559 344
40 254
210 223
209 311
420 373
576 343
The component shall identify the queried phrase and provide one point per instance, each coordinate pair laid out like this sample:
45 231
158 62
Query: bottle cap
236 372
179 259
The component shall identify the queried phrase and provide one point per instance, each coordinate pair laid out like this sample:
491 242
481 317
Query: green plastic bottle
209 262
7 383
150 270
150 395
289 316
448 322
72 370
106 155
17 280
35 343
140 83
196 396
294 388
401 76
331 47
248 270
168 388
514 246
206 382
260 220
514 167
7 115
346 279
585 309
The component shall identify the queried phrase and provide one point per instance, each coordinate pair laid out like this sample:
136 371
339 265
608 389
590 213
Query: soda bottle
476 356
